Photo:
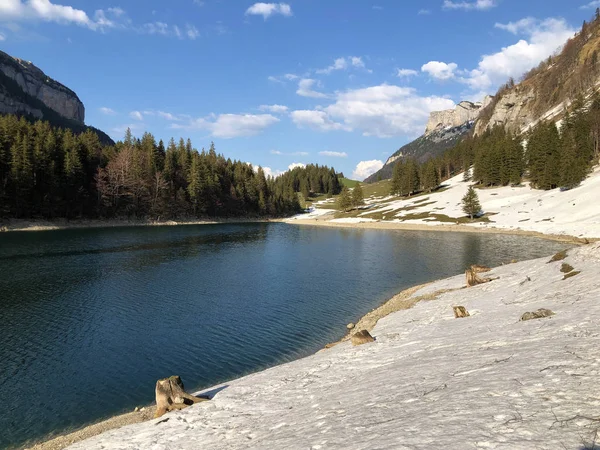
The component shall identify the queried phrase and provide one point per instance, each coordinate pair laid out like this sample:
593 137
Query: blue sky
336 82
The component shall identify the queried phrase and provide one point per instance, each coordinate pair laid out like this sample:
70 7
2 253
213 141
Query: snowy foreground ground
574 213
430 381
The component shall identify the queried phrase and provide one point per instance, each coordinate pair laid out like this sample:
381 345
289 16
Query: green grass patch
429 217
423 200
379 189
570 275
413 207
348 183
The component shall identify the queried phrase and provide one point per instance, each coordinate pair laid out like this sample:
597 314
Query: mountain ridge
34 82
26 91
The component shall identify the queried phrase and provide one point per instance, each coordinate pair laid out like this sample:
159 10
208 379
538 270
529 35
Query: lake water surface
90 319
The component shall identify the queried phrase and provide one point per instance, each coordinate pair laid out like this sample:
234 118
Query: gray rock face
514 110
9 105
464 112
38 85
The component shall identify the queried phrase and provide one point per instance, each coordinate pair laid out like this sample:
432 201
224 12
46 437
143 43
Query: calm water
90 319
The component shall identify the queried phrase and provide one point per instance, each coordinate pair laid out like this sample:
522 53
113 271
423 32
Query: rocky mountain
25 90
547 90
464 112
444 130
544 93
35 84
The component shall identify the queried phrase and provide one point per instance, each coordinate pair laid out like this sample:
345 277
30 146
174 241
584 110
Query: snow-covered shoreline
63 224
515 209
429 380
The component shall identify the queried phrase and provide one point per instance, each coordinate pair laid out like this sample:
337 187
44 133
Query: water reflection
101 308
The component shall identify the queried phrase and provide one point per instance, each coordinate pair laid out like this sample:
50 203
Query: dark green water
90 319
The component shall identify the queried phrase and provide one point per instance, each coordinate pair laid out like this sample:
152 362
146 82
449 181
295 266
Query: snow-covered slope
429 381
574 213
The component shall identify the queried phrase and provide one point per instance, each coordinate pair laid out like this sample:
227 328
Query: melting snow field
430 381
573 213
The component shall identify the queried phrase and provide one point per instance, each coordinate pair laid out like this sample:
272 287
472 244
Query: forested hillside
547 156
49 172
515 136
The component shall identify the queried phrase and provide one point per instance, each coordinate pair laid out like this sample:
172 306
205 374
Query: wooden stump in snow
362 337
170 395
460 312
539 314
473 279
480 269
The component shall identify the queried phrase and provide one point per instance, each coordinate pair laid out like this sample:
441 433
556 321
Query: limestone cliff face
514 110
464 112
37 85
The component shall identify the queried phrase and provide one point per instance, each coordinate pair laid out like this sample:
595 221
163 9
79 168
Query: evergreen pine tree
345 200
410 182
358 198
398 175
429 177
470 203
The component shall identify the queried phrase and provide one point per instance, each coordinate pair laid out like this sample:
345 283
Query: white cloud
167 116
136 115
406 73
317 120
338 64
334 154
543 39
294 165
365 169
479 5
594 4
177 32
107 111
270 172
519 26
46 11
2 37
424 12
384 110
357 61
268 9
117 12
282 79
267 170
279 153
440 70
160 28
275 109
229 126
305 88
192 32
343 63
43 10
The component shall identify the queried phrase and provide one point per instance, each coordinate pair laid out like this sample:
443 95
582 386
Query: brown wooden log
460 312
480 269
361 337
473 279
170 395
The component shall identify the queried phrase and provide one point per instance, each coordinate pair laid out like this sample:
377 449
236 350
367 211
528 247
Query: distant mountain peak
26 90
464 112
